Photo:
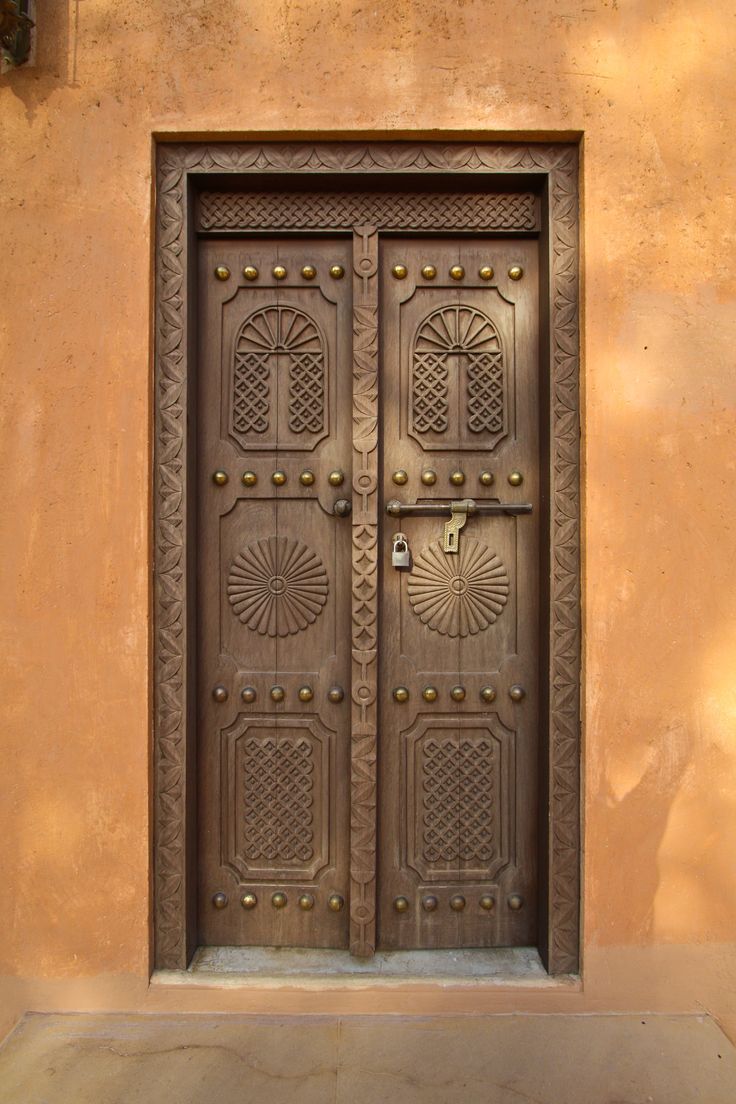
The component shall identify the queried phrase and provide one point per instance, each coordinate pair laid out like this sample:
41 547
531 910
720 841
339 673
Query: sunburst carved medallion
277 586
459 594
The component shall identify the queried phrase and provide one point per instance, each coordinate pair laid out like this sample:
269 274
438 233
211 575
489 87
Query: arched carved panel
278 349
458 363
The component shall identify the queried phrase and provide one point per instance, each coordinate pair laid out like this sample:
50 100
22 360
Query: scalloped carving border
176 162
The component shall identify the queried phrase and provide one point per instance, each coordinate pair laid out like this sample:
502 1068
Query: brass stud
279 900
429 693
306 478
222 272
400 477
248 694
336 478
249 901
220 694
306 902
309 272
277 693
400 271
486 272
430 903
487 902
306 693
457 272
336 903
517 693
249 479
401 904
486 478
279 478
516 478
219 900
335 694
220 478
337 272
401 694
457 478
429 477
250 272
279 272
457 903
458 693
429 272
516 272
342 508
516 901
488 694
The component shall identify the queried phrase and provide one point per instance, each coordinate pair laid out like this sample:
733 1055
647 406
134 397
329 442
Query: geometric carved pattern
458 802
278 798
364 724
180 163
307 392
460 594
448 336
264 337
277 586
274 210
485 392
429 392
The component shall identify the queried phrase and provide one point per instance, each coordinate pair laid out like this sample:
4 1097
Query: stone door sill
234 967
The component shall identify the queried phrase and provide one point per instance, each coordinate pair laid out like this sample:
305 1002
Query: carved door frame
550 171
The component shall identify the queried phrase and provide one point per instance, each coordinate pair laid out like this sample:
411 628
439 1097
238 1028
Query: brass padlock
400 554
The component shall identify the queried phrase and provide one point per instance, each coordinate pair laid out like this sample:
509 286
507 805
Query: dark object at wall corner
15 31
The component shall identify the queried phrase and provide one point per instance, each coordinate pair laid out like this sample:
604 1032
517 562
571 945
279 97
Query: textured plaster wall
651 86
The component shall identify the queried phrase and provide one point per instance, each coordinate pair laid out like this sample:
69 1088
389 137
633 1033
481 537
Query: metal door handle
445 509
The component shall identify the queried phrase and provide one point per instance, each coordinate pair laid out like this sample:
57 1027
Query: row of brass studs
277 694
456 272
457 903
279 900
457 478
457 693
249 478
308 272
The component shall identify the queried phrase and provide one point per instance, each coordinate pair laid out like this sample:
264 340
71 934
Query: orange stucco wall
650 84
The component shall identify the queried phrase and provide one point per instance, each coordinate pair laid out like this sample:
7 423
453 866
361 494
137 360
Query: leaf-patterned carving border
558 163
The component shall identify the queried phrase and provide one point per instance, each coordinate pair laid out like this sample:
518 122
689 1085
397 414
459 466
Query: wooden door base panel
549 174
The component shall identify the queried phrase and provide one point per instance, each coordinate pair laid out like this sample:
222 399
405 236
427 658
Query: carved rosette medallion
459 594
277 586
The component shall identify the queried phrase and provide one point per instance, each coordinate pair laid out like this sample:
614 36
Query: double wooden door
368 733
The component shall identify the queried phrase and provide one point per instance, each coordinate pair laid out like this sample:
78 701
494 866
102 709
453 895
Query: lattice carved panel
417 211
275 783
459 797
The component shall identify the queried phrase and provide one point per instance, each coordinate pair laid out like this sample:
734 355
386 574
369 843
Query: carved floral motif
459 594
277 586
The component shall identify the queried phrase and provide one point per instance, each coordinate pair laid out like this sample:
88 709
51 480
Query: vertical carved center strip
364 593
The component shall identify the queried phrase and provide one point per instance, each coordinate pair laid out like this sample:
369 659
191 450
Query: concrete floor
208 1059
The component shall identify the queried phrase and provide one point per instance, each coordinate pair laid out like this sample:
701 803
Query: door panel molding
550 173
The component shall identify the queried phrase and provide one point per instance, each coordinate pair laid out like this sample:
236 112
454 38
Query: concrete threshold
230 967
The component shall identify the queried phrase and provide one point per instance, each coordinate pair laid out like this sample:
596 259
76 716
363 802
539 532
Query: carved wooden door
274 592
459 637
367 735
